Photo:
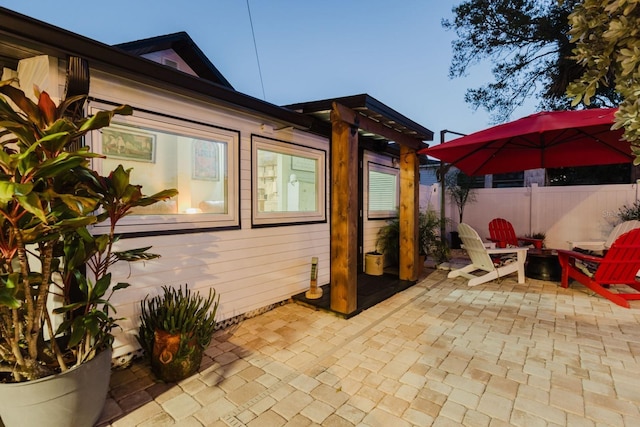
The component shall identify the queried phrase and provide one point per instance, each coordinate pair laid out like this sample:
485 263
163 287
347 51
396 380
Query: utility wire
255 46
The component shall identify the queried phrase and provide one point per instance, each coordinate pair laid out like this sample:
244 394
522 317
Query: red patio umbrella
543 140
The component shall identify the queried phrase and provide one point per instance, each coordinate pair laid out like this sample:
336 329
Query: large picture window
199 161
382 191
288 183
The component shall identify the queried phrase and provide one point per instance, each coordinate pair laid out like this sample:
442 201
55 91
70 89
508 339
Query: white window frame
183 222
283 218
382 214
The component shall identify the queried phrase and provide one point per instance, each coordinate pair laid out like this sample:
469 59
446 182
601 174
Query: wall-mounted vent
170 63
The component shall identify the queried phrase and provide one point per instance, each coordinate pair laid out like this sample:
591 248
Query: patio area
438 353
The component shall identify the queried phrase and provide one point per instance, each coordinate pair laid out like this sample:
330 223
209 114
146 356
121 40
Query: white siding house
254 194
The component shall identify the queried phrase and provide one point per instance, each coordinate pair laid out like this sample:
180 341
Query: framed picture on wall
128 143
206 160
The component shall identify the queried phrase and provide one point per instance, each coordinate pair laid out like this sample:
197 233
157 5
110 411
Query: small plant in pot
629 213
388 241
536 239
49 196
175 328
374 263
431 244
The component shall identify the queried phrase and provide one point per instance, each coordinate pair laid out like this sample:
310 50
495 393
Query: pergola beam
351 117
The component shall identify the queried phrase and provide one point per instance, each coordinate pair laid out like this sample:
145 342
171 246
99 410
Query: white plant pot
74 398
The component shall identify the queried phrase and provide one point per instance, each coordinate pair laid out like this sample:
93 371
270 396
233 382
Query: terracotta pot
538 244
170 363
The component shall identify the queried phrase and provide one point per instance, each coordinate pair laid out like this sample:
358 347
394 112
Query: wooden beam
408 214
353 118
344 215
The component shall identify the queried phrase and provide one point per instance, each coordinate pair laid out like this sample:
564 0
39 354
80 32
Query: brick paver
439 354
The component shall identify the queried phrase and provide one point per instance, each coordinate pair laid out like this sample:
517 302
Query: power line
255 46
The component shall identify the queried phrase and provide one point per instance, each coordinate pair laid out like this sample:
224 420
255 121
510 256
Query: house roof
25 37
185 47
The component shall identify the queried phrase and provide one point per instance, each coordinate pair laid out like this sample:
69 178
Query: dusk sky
397 52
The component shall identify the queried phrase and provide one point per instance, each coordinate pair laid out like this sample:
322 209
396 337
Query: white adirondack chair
481 259
617 231
599 248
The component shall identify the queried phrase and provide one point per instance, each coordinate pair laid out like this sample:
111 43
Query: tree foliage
460 187
528 44
606 34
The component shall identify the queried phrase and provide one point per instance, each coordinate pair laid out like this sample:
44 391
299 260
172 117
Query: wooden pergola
353 118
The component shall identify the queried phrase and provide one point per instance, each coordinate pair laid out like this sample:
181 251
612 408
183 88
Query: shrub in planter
429 241
461 189
49 196
388 241
175 328
431 244
629 213
536 239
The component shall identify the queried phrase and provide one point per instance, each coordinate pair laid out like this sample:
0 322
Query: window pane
159 160
382 191
286 183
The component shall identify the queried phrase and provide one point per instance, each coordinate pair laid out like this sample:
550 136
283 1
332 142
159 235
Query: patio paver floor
439 353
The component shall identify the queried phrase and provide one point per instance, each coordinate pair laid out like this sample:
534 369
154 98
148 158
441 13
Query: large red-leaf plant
49 196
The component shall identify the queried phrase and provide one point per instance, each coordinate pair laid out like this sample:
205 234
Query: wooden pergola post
344 203
408 213
344 214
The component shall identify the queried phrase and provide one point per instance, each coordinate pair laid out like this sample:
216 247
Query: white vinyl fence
575 213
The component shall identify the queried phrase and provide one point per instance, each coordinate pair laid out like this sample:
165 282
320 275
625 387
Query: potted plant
175 328
460 188
374 263
431 244
536 239
629 213
49 197
388 241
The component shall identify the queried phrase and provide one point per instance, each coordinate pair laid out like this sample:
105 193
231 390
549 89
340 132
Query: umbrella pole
442 172
442 198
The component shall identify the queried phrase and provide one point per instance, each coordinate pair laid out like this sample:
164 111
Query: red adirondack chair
619 266
501 232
